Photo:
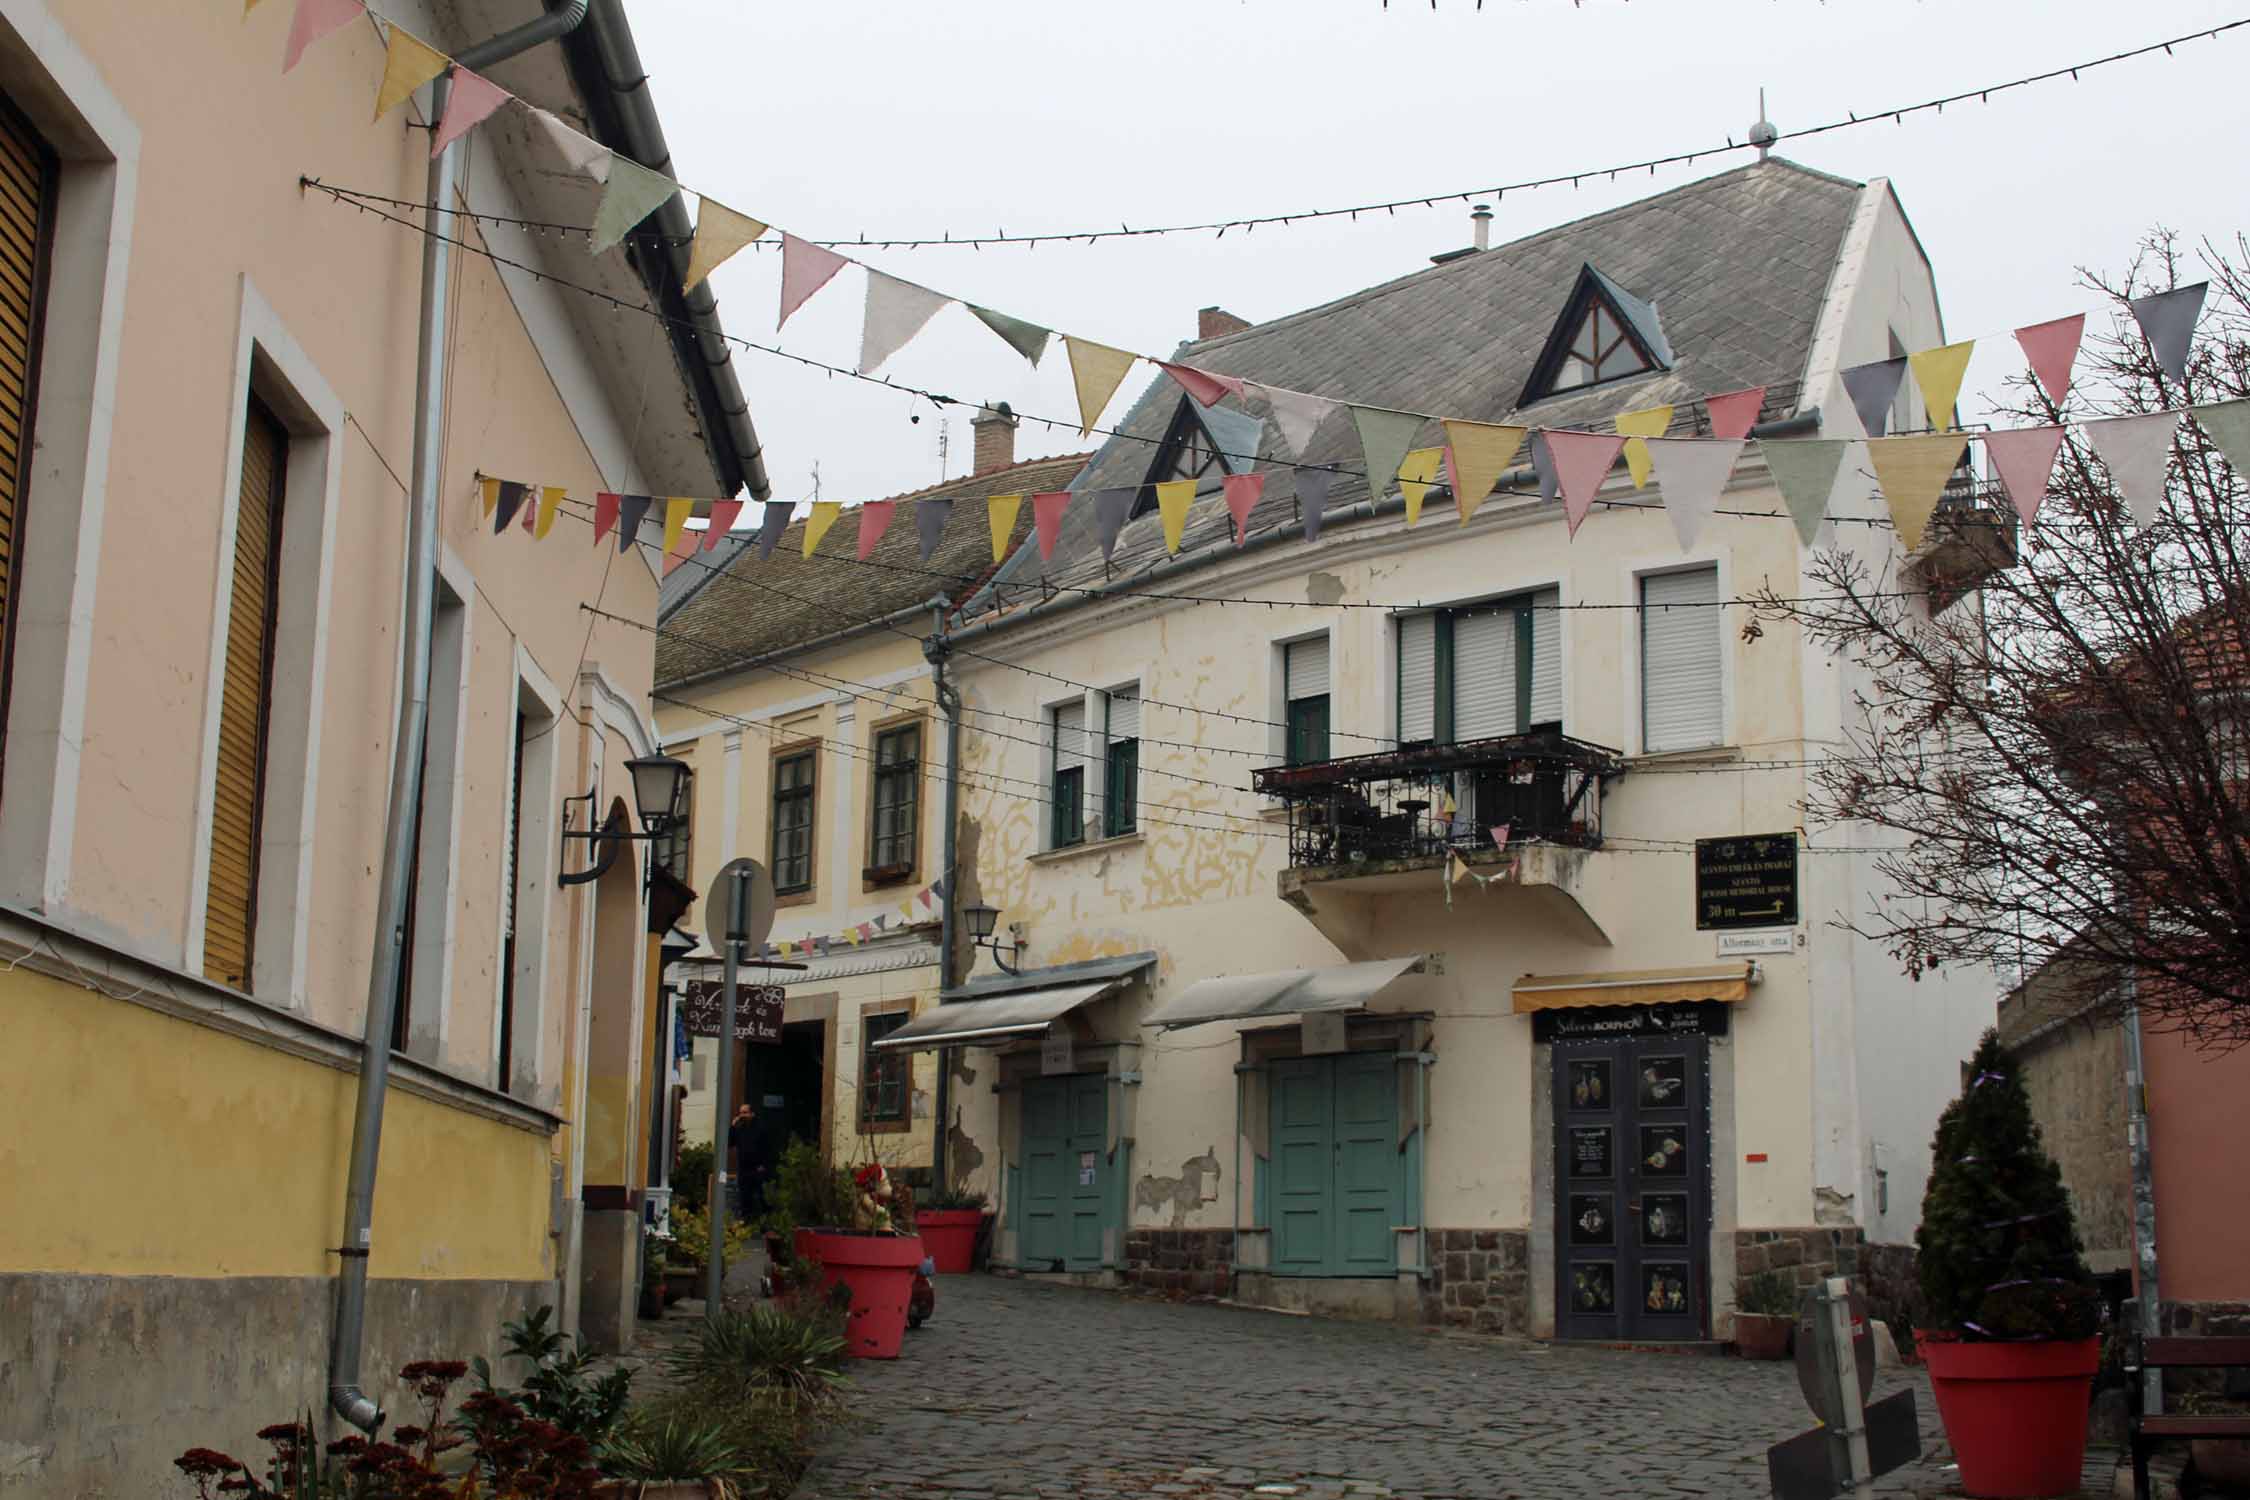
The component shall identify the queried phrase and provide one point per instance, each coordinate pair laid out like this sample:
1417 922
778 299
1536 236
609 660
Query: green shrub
673 1444
560 1388
2000 1256
691 1179
771 1438
1767 1294
691 1239
808 1193
794 1351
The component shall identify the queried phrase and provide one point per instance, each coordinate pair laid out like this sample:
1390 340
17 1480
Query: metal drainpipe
937 649
2143 1169
344 1395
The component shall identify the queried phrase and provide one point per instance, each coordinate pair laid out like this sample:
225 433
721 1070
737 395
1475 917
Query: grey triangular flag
2228 424
1112 509
512 496
2167 319
930 517
1543 463
770 527
1873 387
1312 498
631 511
2136 450
1384 437
1027 339
1805 471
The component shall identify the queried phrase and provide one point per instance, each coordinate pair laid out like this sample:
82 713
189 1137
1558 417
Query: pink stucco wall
2199 1127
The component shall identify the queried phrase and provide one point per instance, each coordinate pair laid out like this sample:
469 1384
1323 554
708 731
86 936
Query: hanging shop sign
757 1010
1746 881
1579 1023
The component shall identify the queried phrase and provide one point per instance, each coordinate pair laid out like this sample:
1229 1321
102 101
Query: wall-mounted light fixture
982 920
660 785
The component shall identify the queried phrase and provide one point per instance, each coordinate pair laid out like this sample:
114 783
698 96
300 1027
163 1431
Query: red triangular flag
2023 457
473 99
1243 491
925 897
1581 461
805 269
724 513
2052 348
1203 385
1500 835
1046 516
606 503
681 550
315 19
874 520
1735 413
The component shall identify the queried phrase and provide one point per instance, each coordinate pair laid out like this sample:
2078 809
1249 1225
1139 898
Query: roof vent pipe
1480 219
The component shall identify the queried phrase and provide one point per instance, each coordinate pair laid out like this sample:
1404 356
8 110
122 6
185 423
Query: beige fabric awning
1729 982
991 1022
1284 992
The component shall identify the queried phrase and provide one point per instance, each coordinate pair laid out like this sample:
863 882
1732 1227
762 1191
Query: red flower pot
878 1270
950 1235
2015 1413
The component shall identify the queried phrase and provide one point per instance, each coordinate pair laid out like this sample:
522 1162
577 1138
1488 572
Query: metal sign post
1856 1440
737 911
1840 1388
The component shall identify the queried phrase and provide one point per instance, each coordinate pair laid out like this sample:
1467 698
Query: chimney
1217 323
1481 217
995 427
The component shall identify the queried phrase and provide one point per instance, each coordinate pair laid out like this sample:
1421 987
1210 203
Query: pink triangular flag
724 513
874 520
1500 835
924 898
472 101
1046 516
1204 386
1581 461
1243 491
2052 349
2023 457
805 269
314 20
606 506
681 551
1735 413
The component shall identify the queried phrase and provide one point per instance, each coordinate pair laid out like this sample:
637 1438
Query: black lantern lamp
660 785
983 920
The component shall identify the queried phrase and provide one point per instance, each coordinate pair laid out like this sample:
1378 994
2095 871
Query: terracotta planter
2015 1412
1762 1335
950 1234
681 1281
878 1271
2222 1461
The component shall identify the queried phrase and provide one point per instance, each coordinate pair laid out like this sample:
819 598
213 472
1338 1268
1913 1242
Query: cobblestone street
1016 1389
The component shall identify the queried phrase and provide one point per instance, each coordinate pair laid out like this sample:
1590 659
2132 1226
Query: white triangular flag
1297 414
2136 450
587 156
1690 473
896 311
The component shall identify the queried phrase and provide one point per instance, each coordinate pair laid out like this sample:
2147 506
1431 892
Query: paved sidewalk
1019 1389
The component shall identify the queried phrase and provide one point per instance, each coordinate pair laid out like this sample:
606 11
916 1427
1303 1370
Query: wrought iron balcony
1971 536
1392 805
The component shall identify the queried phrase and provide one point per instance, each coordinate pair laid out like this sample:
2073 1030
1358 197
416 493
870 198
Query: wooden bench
2178 1354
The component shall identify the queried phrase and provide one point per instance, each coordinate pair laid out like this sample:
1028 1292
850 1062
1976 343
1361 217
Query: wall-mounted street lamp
982 920
660 785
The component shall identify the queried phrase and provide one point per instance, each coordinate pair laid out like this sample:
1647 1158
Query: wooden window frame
42 263
875 875
868 1122
809 751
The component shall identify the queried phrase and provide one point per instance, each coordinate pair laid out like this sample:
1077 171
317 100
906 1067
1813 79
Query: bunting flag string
931 898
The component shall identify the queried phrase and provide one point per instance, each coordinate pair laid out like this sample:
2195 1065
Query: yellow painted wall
139 1144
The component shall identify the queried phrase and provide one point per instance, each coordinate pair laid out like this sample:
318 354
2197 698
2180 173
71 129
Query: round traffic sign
752 923
1808 1357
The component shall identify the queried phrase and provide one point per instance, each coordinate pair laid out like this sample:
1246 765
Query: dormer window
1605 333
1205 446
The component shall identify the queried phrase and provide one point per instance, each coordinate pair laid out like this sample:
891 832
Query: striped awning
1728 982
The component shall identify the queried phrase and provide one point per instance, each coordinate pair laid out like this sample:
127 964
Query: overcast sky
834 118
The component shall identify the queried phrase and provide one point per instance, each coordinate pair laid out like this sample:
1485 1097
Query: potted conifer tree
2012 1309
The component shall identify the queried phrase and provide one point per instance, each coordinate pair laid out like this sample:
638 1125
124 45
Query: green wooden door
1336 1166
1065 1131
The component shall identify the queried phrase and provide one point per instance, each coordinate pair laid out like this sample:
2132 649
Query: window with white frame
1682 691
1480 671
1305 697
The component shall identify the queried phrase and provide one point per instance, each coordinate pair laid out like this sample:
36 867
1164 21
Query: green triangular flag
2228 424
1027 339
1384 438
633 193
1805 470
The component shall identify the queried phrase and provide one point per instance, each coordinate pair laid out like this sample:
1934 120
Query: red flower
201 1462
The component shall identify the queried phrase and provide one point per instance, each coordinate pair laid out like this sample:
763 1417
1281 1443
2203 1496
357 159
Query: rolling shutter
1124 716
1070 736
1484 675
1680 657
1304 667
1546 657
1417 678
26 207
245 704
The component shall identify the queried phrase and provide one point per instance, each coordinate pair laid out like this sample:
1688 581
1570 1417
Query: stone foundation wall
1192 1262
1802 1257
1891 1283
1480 1279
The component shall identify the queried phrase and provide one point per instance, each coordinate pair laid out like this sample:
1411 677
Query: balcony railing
1393 805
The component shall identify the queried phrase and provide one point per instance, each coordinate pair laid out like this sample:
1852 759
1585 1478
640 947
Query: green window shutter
1120 796
1308 731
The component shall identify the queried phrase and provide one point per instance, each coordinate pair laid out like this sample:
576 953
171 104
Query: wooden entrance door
1336 1165
1065 1143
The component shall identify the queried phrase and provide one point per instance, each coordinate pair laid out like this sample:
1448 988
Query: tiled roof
1737 265
738 608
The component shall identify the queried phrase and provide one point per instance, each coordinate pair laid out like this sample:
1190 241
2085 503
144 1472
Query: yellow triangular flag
410 63
1938 372
676 513
906 910
1172 501
490 489
1097 370
719 233
1001 510
1448 806
1912 472
1460 868
1482 452
851 936
824 514
1416 473
1648 422
550 499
